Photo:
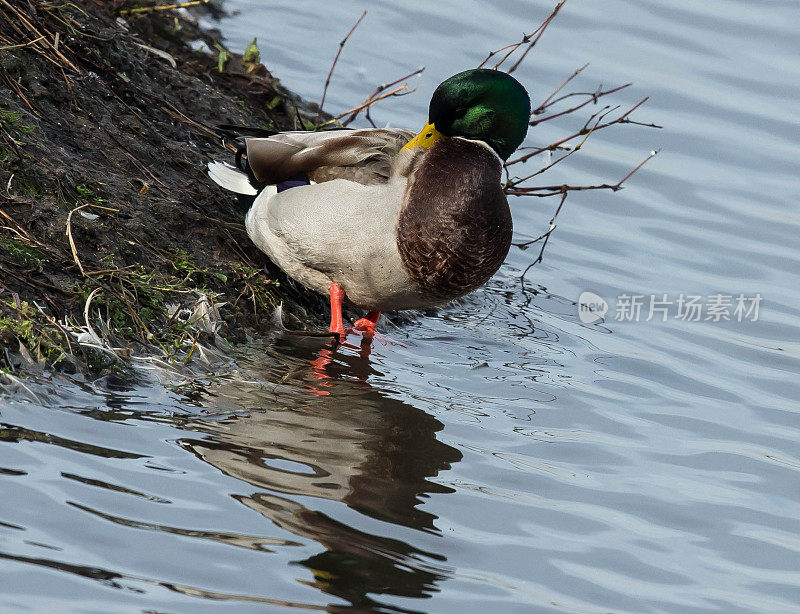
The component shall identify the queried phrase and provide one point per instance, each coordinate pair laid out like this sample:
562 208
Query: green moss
19 328
9 118
6 156
84 191
181 262
87 193
13 119
20 253
24 324
135 308
261 289
31 189
184 265
132 303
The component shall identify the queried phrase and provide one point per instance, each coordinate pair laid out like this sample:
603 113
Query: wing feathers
284 155
230 178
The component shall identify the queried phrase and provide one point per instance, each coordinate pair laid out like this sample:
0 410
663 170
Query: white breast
341 232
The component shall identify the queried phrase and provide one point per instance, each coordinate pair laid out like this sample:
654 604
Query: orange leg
337 324
367 324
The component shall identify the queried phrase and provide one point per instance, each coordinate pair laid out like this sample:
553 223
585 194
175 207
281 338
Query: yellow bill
427 137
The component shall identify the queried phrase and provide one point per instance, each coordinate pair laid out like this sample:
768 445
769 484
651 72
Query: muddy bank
107 120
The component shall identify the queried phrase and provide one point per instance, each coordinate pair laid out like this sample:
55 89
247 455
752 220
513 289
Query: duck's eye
429 135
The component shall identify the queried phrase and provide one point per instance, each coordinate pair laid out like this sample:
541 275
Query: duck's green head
480 104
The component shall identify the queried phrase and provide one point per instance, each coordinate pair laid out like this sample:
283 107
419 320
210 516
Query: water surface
499 453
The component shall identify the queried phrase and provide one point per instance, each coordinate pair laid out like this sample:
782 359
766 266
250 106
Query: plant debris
113 242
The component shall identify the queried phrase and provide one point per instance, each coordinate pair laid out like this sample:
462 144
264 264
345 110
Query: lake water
500 453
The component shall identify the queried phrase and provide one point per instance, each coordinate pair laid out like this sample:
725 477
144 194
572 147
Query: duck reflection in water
323 366
353 445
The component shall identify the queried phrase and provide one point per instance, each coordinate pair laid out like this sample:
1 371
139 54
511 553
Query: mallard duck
389 219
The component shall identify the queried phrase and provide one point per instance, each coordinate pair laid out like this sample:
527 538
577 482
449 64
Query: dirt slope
102 135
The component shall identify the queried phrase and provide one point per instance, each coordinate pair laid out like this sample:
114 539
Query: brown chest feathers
455 229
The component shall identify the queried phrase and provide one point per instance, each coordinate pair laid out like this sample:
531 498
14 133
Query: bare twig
592 98
653 154
167 7
564 192
336 59
385 86
584 130
544 191
72 241
398 91
536 38
376 96
516 182
546 236
529 39
547 100
36 40
69 232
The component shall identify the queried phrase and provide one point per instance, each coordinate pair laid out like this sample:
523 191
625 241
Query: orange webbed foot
367 324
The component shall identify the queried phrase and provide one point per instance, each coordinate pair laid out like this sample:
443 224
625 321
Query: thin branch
577 134
546 236
535 40
514 183
336 59
529 39
385 86
36 40
547 100
168 7
398 91
496 51
376 96
596 121
593 97
645 124
564 192
544 191
653 154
